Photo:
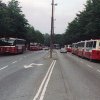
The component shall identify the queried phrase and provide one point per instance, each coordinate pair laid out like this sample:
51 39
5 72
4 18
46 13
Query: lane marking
3 67
32 65
14 62
46 84
28 66
41 86
98 70
90 66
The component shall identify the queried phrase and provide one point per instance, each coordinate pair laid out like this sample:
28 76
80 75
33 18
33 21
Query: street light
52 29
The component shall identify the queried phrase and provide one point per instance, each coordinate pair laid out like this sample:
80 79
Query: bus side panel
69 50
87 54
13 50
95 55
80 53
1 50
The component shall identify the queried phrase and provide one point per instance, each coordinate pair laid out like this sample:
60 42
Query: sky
38 13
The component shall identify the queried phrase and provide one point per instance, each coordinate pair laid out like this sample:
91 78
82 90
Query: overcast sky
38 13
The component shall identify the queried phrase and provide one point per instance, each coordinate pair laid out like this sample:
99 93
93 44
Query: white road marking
28 66
90 66
3 67
43 82
14 62
46 84
98 70
32 65
37 64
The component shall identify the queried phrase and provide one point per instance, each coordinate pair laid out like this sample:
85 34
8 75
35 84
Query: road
34 76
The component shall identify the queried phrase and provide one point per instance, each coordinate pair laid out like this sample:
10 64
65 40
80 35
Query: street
34 76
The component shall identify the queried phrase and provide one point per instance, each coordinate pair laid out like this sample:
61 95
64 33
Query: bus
69 48
35 46
56 46
75 48
12 45
81 48
92 49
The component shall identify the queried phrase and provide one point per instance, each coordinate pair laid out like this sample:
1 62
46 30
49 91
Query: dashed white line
14 62
98 70
3 67
90 66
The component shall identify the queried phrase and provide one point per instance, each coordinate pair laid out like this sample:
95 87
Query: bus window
94 44
99 44
87 44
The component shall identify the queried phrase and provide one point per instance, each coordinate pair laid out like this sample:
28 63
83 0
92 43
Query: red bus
12 45
75 48
35 47
69 48
81 48
92 49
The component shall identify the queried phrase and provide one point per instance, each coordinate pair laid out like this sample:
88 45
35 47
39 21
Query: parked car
63 50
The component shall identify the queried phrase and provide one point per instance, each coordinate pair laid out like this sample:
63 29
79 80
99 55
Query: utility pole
52 29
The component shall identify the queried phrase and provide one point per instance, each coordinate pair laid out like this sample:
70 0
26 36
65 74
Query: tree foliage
86 25
14 24
46 39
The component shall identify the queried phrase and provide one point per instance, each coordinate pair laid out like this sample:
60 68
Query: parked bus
35 46
75 48
88 49
92 49
56 46
69 48
81 48
12 45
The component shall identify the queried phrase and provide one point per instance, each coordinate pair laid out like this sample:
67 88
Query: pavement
36 76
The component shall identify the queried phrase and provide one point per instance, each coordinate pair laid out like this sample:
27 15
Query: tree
86 25
58 39
14 24
18 22
4 19
46 39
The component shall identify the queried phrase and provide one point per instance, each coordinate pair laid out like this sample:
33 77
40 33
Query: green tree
46 39
58 39
4 19
18 21
86 25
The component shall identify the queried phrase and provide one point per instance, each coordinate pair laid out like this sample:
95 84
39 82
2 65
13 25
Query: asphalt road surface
34 76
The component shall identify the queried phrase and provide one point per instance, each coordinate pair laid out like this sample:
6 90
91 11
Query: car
46 48
63 50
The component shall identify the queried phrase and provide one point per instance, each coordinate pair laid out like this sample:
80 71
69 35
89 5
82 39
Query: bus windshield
4 42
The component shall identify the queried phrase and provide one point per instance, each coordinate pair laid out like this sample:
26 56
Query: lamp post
52 28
